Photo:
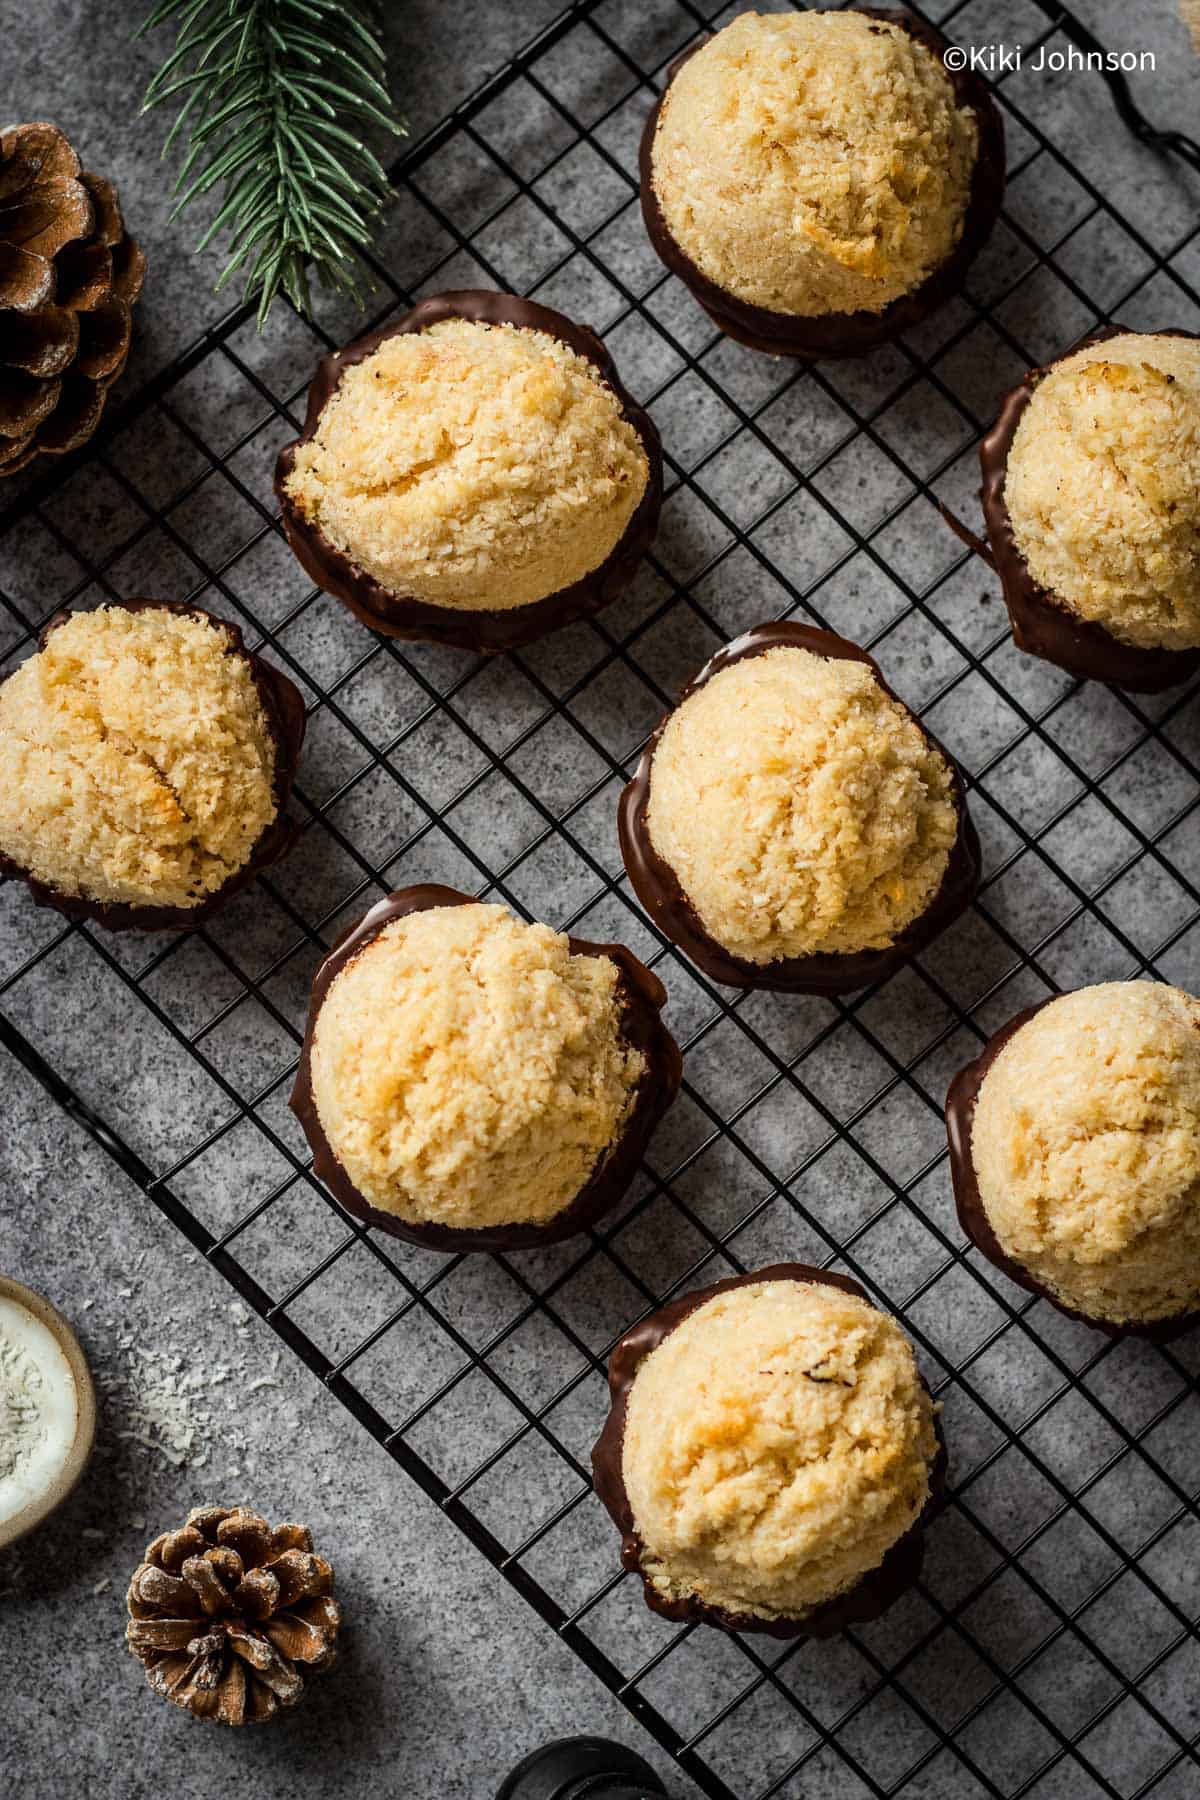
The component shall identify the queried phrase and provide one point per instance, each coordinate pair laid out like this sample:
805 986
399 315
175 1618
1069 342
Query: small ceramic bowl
64 1479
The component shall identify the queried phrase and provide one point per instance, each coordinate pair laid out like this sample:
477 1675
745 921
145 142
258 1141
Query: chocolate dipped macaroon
471 1082
1075 1154
819 180
472 474
791 824
770 1455
146 760
1091 495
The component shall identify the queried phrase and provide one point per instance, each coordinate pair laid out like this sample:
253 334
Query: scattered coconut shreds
166 1406
169 1405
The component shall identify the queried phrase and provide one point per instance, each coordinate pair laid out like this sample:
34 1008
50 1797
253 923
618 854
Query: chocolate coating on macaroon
1093 1210
675 913
1043 623
639 998
175 815
869 1594
476 626
813 336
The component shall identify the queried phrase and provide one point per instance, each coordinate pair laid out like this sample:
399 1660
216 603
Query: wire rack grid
1050 1648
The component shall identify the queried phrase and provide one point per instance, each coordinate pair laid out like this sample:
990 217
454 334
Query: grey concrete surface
448 1676
83 65
445 1678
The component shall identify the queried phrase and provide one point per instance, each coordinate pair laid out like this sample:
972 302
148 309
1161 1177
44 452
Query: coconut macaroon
469 1071
1086 1150
777 1444
471 466
802 810
814 162
1102 487
137 764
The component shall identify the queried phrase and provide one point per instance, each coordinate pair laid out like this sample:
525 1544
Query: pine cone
69 275
222 1611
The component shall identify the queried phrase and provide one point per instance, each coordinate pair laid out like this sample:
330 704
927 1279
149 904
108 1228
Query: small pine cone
222 1612
69 275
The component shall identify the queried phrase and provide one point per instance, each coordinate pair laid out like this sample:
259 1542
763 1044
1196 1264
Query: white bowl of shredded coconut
47 1409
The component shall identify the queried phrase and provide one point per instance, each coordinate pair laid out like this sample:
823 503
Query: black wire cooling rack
1051 1647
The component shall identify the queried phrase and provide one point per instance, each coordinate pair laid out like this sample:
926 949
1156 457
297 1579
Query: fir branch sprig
276 95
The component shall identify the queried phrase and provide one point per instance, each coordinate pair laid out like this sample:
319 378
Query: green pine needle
274 96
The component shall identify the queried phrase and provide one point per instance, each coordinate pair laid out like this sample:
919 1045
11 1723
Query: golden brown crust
801 808
468 1071
472 466
137 763
1102 487
812 163
1086 1149
777 1444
